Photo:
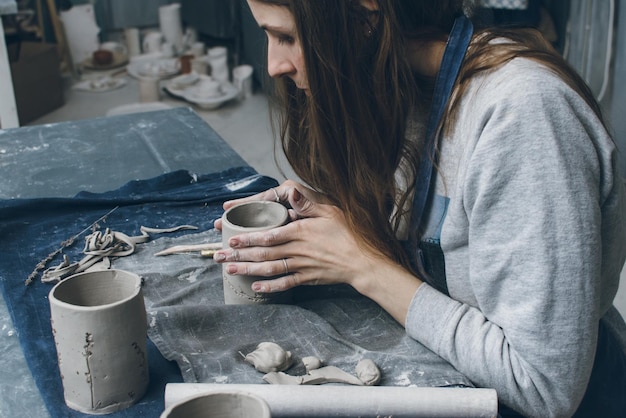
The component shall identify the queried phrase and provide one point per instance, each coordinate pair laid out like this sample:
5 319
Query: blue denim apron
606 392
424 250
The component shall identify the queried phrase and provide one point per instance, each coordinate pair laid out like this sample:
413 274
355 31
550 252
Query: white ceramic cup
168 49
99 325
218 60
209 88
132 41
242 79
250 217
228 404
152 42
198 49
200 65
149 89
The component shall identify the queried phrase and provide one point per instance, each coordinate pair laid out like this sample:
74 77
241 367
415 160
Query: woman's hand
278 194
316 247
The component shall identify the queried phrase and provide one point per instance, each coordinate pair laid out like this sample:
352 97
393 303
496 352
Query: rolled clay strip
269 357
190 248
351 401
99 245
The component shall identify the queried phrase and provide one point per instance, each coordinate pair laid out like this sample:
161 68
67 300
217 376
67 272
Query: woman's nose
278 65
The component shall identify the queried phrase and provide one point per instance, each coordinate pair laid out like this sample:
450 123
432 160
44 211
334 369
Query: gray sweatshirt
530 215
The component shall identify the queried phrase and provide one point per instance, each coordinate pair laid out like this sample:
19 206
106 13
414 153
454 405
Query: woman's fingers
278 194
267 269
300 198
276 285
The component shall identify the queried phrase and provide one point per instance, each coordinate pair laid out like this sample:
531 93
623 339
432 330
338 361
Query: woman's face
284 52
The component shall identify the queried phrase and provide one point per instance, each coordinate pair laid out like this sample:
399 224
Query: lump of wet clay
368 372
269 357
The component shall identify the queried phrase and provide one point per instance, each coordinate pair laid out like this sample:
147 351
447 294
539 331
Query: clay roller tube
351 401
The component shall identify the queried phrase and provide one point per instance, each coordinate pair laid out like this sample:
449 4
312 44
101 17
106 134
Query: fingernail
234 243
231 269
219 257
258 287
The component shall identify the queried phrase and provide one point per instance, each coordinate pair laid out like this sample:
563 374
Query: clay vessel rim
136 291
283 217
266 411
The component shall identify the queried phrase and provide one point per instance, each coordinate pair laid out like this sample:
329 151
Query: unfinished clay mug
220 405
250 217
99 325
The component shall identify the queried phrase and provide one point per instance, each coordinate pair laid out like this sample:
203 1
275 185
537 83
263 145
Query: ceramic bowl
229 92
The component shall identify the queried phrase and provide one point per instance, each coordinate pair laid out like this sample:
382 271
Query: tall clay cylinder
100 330
244 218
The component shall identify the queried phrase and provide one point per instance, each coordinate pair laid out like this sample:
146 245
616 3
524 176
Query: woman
494 233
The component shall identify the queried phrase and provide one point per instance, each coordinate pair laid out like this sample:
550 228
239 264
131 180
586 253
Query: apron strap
453 57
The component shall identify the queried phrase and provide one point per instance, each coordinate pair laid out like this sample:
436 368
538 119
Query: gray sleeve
525 245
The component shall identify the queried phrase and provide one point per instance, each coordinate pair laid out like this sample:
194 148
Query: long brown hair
347 140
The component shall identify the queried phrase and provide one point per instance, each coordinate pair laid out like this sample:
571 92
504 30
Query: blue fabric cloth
31 229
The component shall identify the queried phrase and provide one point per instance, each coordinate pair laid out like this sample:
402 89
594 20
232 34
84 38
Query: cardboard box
37 81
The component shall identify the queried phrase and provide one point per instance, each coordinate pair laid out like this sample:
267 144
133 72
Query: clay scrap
326 374
273 360
269 357
368 372
99 246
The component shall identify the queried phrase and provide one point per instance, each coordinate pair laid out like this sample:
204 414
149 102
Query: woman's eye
285 39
